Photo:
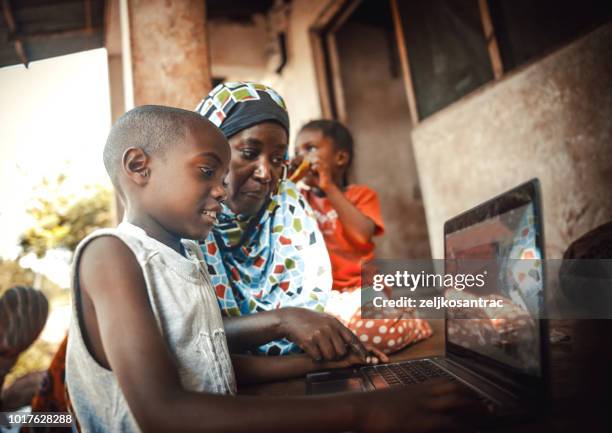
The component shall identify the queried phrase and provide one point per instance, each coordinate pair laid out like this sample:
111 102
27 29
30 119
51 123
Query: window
448 55
526 29
447 51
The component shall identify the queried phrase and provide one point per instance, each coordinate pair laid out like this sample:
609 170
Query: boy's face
311 144
186 183
258 156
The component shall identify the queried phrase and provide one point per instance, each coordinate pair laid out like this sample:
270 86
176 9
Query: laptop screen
503 237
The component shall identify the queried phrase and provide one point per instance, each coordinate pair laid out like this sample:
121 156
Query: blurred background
450 103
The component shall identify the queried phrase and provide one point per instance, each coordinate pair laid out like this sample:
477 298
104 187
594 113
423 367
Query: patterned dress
273 260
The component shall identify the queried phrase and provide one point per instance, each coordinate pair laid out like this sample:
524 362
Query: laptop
511 377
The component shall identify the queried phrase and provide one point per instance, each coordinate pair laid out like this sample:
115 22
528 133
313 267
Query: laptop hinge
479 376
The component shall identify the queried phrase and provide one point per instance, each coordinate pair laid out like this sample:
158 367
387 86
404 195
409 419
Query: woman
266 255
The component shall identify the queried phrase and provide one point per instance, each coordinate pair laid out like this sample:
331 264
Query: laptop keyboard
408 372
415 372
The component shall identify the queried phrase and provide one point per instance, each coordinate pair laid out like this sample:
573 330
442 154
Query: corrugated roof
39 29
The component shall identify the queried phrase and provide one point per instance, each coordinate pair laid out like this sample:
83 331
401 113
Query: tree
62 219
11 274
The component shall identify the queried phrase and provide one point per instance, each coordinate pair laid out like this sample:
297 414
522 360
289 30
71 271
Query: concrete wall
238 50
298 82
246 58
378 116
551 119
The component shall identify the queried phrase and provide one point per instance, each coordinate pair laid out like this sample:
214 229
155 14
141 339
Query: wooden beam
491 39
327 15
321 74
405 62
12 27
336 77
346 11
54 34
322 37
87 13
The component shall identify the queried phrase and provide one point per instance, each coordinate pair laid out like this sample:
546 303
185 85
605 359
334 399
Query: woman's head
254 119
256 166
331 141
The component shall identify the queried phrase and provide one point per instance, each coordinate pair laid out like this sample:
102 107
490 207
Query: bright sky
54 118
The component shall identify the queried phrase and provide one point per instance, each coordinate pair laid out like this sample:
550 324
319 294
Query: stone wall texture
551 119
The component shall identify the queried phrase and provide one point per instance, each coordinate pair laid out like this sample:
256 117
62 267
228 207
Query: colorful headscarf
278 257
226 106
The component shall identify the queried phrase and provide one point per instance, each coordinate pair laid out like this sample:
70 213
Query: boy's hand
433 406
320 335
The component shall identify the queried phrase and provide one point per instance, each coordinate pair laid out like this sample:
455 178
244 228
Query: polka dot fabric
388 332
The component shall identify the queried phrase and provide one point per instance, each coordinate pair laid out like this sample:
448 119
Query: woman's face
256 167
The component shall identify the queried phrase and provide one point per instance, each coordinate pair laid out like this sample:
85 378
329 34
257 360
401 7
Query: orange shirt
345 254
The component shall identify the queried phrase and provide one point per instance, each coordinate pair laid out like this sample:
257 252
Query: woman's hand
320 335
374 356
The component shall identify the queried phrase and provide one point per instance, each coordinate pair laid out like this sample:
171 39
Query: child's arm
136 352
320 335
255 369
356 225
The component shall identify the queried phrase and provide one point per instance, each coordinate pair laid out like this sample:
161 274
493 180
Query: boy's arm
256 369
147 374
357 226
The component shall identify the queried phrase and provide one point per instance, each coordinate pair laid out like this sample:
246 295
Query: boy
147 349
349 217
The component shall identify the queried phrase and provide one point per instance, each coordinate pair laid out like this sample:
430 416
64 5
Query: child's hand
323 174
294 164
428 407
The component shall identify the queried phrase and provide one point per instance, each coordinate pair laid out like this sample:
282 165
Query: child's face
314 146
186 183
258 156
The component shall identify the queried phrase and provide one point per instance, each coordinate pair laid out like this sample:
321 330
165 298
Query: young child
147 349
349 217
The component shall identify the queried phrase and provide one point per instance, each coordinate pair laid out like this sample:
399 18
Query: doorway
362 85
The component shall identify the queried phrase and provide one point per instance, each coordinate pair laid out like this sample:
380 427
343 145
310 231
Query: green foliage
36 358
11 274
62 219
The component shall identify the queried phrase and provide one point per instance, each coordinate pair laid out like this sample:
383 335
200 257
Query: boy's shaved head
152 128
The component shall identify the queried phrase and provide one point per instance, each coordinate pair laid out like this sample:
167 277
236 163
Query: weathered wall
297 83
551 120
238 50
170 60
378 116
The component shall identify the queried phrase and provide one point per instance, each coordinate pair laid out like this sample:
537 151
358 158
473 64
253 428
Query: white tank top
185 307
